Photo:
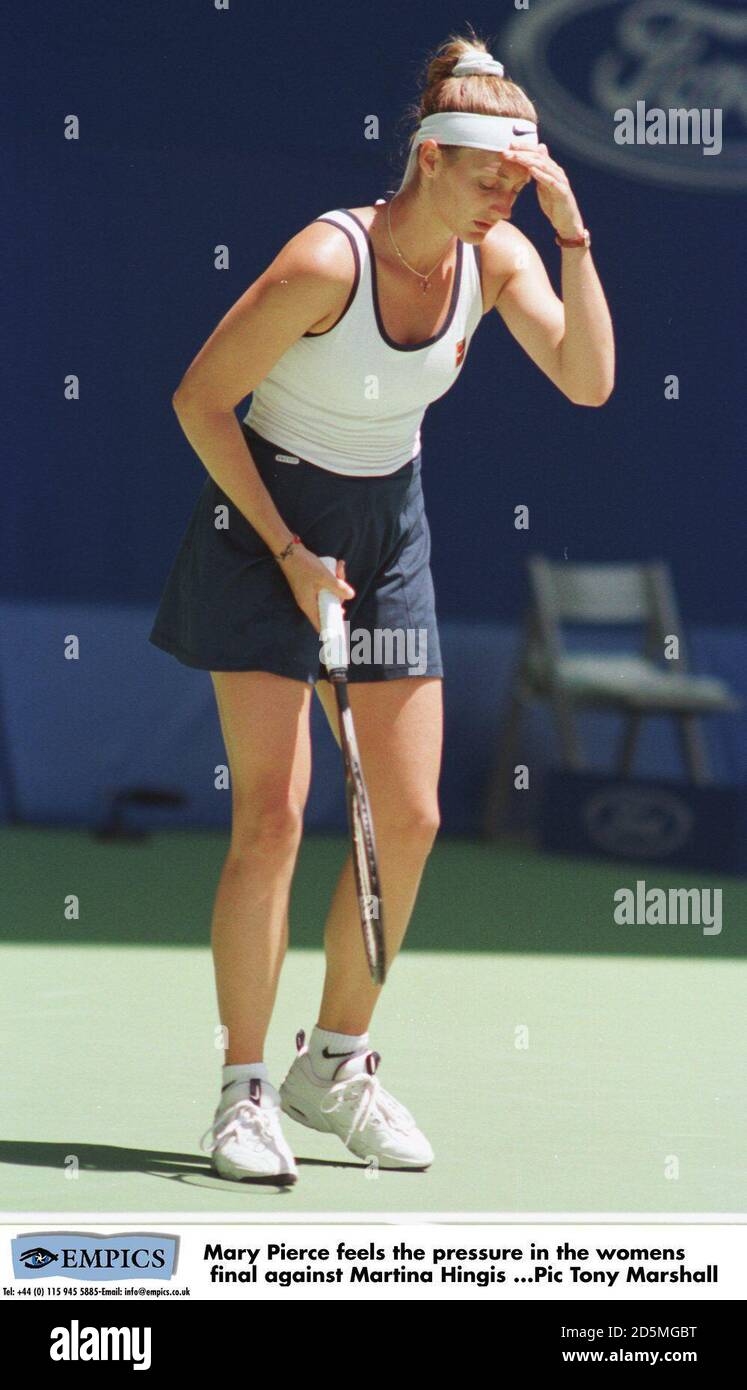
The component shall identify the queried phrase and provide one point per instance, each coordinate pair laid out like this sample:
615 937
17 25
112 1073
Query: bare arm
587 348
298 289
217 438
569 339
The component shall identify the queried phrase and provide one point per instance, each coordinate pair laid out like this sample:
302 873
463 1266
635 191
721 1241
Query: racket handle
334 649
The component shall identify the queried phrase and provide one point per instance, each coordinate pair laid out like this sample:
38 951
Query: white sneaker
355 1106
246 1140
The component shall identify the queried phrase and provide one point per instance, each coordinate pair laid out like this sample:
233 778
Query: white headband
465 128
476 132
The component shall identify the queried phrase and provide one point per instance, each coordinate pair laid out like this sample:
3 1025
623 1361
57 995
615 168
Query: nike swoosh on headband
519 130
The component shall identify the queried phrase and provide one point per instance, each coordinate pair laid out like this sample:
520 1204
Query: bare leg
265 724
399 728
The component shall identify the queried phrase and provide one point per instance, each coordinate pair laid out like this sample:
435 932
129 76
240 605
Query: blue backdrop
236 125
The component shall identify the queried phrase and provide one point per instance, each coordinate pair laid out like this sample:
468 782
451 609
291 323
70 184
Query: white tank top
350 399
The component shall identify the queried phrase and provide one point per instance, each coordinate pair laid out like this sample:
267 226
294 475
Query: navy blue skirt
227 606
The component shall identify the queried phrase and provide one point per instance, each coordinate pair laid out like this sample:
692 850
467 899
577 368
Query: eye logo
37 1258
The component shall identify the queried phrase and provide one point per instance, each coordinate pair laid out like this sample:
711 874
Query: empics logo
76 1343
129 1255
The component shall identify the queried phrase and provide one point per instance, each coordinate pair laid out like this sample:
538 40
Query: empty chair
635 683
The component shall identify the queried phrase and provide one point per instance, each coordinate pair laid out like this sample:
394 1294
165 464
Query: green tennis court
557 1061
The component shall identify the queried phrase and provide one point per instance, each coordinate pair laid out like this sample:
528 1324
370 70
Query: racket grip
334 649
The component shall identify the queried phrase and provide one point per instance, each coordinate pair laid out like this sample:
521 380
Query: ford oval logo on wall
636 822
581 61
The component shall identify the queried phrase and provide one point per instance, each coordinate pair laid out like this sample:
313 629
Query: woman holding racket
362 319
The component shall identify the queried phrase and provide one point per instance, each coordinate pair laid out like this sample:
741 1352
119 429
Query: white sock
235 1076
328 1051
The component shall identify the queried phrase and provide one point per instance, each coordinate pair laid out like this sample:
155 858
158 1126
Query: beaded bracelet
294 540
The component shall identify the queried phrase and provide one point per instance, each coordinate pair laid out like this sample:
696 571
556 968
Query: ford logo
625 55
636 822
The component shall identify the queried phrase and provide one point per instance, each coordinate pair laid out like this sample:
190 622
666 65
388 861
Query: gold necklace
425 278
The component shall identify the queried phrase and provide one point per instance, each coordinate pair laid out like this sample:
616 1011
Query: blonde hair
480 94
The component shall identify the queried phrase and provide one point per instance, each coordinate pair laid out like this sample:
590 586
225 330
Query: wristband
583 240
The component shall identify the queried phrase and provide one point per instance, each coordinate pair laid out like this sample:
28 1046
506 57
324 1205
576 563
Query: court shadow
359 1165
329 1163
109 1158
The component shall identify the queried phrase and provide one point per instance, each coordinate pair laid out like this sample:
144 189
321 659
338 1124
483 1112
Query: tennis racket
367 881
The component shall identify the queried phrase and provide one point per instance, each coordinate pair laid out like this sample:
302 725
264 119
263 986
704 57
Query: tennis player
364 317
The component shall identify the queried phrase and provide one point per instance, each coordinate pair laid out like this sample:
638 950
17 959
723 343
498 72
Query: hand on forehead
491 162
